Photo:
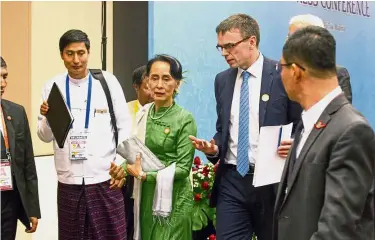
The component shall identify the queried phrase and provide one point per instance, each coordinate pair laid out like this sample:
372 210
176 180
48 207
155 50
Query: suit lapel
314 134
333 107
9 126
228 93
266 86
226 98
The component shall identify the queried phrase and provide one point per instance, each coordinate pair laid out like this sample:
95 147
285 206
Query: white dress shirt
1 124
101 149
255 81
312 115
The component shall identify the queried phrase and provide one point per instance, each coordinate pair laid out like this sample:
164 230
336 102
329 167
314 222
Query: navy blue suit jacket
278 110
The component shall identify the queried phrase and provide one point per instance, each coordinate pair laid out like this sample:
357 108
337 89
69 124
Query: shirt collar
256 68
79 81
311 116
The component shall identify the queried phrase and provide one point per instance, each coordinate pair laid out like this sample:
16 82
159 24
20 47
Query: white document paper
269 165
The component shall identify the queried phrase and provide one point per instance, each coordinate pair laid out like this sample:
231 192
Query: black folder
59 117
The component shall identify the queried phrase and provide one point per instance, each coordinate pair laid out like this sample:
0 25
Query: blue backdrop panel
186 30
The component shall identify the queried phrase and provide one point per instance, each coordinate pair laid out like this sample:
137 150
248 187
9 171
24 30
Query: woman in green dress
167 131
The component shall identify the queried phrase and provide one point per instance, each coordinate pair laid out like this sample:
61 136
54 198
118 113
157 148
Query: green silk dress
167 136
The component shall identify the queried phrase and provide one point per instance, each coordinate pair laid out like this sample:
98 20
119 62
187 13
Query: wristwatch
141 175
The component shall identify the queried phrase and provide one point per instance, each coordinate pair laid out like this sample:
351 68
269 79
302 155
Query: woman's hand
135 169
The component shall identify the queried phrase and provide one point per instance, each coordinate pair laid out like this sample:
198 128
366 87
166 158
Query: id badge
6 183
78 146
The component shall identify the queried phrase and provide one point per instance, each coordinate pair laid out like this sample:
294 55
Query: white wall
47 182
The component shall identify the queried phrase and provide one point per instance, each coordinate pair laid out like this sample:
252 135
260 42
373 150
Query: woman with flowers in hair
166 127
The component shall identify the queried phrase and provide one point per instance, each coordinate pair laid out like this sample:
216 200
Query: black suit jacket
277 110
331 189
22 163
344 82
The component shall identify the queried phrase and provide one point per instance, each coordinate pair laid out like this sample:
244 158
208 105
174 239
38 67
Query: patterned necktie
243 128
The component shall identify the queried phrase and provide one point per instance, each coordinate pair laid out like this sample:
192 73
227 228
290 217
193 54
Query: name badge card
78 146
6 183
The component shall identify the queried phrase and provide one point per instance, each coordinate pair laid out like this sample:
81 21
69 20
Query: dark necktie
293 154
3 150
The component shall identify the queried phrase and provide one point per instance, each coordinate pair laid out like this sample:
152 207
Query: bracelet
141 175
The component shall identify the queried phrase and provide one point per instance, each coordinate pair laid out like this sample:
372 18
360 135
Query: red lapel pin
320 125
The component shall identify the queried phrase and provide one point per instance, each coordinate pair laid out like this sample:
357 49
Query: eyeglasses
230 46
280 65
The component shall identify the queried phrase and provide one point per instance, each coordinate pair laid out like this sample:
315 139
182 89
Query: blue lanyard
88 103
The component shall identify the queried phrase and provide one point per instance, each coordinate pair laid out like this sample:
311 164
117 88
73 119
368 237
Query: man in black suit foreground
326 190
19 181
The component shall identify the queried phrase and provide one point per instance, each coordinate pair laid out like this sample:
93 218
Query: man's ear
252 42
135 86
297 72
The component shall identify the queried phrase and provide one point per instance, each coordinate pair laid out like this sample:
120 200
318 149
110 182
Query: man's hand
34 225
117 183
209 148
284 148
44 108
117 176
116 172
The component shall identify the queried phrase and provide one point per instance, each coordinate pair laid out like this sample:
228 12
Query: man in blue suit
249 95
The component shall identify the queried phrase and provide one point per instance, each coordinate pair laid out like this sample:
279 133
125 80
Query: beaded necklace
156 118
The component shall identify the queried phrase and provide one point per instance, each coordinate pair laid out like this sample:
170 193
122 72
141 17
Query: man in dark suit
19 195
344 82
249 95
301 21
327 186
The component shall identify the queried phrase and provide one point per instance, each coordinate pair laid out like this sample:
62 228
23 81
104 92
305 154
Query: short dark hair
73 36
247 25
175 65
3 63
138 75
313 47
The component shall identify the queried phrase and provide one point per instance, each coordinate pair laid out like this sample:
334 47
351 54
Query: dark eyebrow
71 51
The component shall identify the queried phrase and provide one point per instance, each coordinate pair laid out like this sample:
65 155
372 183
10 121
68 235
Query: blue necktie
243 128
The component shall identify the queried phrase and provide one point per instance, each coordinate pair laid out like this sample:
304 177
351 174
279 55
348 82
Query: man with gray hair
249 95
301 21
